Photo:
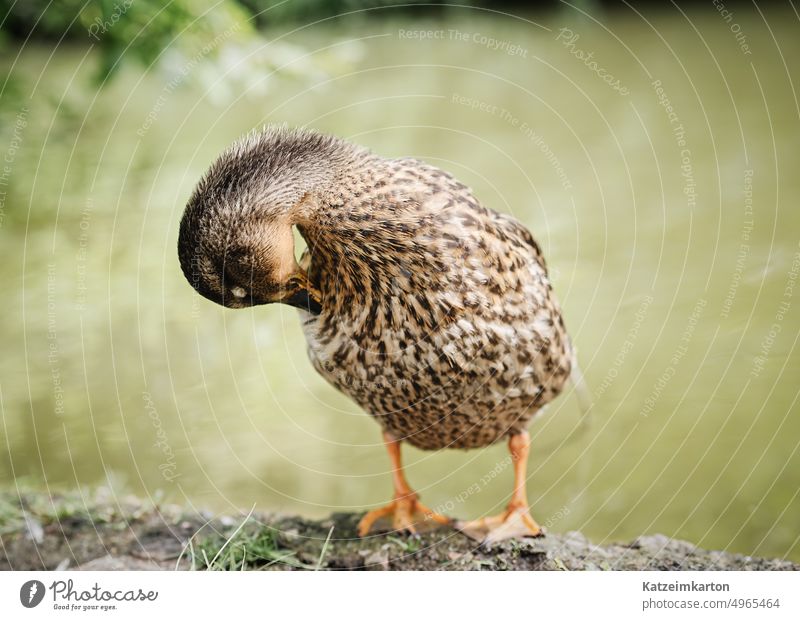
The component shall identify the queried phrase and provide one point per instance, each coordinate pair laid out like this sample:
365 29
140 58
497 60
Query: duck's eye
238 291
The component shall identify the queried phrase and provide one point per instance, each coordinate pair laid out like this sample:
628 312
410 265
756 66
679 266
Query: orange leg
405 508
516 520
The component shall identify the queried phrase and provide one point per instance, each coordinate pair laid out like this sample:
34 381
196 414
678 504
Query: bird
431 311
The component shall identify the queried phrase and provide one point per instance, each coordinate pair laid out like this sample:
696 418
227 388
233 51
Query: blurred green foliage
271 12
141 30
138 30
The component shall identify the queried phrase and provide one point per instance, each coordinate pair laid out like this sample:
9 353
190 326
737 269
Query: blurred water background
652 151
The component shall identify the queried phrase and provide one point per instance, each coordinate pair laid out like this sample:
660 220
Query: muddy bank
69 532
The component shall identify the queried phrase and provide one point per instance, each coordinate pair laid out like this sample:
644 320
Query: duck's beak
301 294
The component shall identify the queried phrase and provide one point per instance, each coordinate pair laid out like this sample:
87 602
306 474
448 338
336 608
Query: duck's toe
407 514
515 522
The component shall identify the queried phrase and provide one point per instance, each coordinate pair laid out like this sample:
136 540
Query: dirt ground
38 532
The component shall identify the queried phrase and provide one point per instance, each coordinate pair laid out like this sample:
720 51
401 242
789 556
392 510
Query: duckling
431 311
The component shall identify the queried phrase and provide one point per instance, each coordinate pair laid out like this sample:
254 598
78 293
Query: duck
431 311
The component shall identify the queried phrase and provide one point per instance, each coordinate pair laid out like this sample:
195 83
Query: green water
676 273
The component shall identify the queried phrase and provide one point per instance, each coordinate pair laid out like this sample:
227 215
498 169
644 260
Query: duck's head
236 244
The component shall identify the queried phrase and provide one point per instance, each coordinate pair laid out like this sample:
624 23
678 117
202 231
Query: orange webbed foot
515 522
408 515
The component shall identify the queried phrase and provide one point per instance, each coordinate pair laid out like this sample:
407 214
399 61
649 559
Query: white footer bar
385 596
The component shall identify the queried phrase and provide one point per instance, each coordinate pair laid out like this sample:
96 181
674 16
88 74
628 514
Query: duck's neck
342 224
363 236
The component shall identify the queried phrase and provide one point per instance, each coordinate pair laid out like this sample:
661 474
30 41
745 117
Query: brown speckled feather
438 316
